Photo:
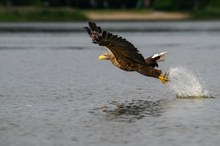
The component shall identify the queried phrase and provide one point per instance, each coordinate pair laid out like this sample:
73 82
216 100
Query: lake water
54 91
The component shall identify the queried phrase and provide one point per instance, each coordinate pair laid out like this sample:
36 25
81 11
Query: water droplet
185 83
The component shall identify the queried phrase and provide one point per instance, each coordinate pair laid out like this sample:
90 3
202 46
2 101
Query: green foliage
207 13
207 9
185 5
214 3
41 14
73 3
173 5
201 9
49 10
21 2
162 4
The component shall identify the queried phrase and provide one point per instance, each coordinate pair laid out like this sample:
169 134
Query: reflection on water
130 111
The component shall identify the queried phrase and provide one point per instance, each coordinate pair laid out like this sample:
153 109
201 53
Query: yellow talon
164 78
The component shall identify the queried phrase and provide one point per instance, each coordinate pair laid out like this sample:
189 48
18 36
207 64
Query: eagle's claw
164 78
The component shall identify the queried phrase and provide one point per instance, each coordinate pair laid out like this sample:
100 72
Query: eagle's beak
102 57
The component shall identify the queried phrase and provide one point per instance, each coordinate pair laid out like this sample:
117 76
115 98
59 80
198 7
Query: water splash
186 84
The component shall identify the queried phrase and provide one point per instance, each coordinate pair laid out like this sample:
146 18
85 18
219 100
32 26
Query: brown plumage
125 55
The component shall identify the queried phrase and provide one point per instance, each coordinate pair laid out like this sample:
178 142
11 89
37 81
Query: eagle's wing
120 47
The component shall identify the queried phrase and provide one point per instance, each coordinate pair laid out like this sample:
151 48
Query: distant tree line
73 3
187 5
171 5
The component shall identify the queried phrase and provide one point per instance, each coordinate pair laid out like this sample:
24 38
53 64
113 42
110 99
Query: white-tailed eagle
125 55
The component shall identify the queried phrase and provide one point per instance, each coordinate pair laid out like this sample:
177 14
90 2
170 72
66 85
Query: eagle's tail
159 57
154 59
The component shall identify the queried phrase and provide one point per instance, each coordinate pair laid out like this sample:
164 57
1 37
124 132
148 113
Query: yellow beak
102 57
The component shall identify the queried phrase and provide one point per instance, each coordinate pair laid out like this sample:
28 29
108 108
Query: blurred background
78 10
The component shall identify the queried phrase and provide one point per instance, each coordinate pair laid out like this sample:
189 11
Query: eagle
125 55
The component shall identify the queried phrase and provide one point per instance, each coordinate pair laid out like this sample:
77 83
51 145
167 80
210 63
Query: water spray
186 84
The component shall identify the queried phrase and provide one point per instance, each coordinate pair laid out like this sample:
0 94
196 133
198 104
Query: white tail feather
162 55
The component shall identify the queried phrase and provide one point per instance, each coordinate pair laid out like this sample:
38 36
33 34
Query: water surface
55 91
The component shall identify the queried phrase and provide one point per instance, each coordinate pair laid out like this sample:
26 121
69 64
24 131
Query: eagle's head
105 56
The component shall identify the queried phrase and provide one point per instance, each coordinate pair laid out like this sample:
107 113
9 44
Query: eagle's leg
152 72
164 77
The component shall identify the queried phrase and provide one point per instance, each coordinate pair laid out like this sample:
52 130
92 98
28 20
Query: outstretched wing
120 47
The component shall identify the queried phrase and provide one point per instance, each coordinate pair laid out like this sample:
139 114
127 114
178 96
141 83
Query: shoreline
63 14
136 16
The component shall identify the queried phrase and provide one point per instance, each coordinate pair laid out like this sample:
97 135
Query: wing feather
120 47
